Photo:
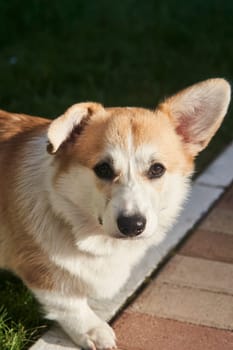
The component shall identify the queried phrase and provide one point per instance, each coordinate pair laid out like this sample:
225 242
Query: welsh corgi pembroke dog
84 196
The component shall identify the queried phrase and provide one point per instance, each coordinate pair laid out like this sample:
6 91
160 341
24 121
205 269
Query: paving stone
219 220
209 245
186 304
198 273
227 200
136 331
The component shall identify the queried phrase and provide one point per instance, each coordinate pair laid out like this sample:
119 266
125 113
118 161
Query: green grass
20 318
13 335
130 52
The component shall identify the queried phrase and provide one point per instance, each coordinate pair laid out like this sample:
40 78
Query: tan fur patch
113 128
12 124
20 252
154 128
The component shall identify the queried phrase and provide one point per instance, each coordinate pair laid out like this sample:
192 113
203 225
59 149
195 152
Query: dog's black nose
131 225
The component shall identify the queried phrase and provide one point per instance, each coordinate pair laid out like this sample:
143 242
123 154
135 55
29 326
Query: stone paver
227 200
186 304
198 273
209 245
219 220
136 331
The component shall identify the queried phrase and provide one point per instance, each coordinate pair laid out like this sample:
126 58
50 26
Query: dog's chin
120 236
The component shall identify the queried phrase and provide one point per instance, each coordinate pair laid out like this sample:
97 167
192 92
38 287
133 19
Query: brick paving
188 305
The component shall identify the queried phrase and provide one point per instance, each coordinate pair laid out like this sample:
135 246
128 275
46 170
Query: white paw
101 337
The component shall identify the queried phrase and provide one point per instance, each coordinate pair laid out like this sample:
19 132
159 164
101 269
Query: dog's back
12 124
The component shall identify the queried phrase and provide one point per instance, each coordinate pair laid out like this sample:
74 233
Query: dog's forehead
137 124
127 136
130 133
139 131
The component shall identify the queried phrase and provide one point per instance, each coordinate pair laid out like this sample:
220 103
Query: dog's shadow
56 339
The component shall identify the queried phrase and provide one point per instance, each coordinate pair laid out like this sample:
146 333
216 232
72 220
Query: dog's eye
104 171
156 170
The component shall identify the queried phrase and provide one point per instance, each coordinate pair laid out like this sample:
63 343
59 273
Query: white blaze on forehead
123 157
145 155
132 160
131 157
130 143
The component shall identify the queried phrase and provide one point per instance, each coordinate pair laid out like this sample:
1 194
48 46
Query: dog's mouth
127 238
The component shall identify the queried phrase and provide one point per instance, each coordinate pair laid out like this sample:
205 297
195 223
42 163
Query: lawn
20 317
130 52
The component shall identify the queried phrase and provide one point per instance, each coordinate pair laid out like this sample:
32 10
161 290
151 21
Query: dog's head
127 170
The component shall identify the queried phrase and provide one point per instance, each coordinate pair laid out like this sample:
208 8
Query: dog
84 196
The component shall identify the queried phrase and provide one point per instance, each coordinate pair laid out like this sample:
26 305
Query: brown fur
19 250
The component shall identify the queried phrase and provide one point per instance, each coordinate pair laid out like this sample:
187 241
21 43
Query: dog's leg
63 298
78 320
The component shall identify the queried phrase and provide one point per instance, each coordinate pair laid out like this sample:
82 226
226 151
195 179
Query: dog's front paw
101 337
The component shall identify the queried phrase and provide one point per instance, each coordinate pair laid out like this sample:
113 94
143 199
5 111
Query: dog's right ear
70 123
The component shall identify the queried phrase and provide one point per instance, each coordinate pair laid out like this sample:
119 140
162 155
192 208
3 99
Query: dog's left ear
71 123
197 112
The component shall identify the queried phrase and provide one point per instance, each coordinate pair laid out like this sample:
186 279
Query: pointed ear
71 123
197 112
